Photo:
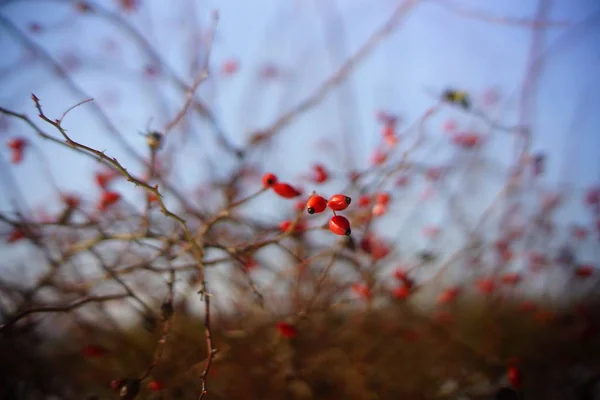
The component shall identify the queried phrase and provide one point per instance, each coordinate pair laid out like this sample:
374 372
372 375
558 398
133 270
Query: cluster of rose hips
338 224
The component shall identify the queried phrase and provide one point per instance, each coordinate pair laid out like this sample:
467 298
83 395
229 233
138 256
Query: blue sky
432 49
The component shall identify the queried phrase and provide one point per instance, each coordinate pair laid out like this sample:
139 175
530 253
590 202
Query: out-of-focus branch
189 95
61 308
75 88
509 21
342 73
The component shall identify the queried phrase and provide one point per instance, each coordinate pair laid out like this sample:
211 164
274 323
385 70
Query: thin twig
61 308
342 73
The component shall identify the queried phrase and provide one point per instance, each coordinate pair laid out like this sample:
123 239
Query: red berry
16 143
340 225
35 27
320 174
485 286
155 386
93 351
382 198
364 201
448 296
16 235
108 199
71 200
402 181
580 233
592 197
287 330
287 224
379 210
514 377
316 204
104 178
286 190
151 197
269 180
230 67
250 263
116 384
401 292
378 157
400 274
584 271
362 290
511 278
467 140
83 7
339 202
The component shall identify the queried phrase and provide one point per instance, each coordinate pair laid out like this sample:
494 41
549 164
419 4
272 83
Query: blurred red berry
402 180
434 174
93 351
230 67
467 140
250 264
71 200
584 270
83 7
382 198
103 179
401 292
269 179
580 233
514 377
364 201
108 199
485 286
155 386
320 174
17 143
400 273
448 296
286 190
511 278
378 157
150 71
449 126
17 146
286 225
116 384
15 235
151 197
129 5
592 196
35 27
287 330
361 290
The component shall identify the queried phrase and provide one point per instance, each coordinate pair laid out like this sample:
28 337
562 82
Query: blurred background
496 200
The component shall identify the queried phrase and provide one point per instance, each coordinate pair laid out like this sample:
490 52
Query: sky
432 49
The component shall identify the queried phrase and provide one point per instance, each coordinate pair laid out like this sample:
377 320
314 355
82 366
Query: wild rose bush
202 263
